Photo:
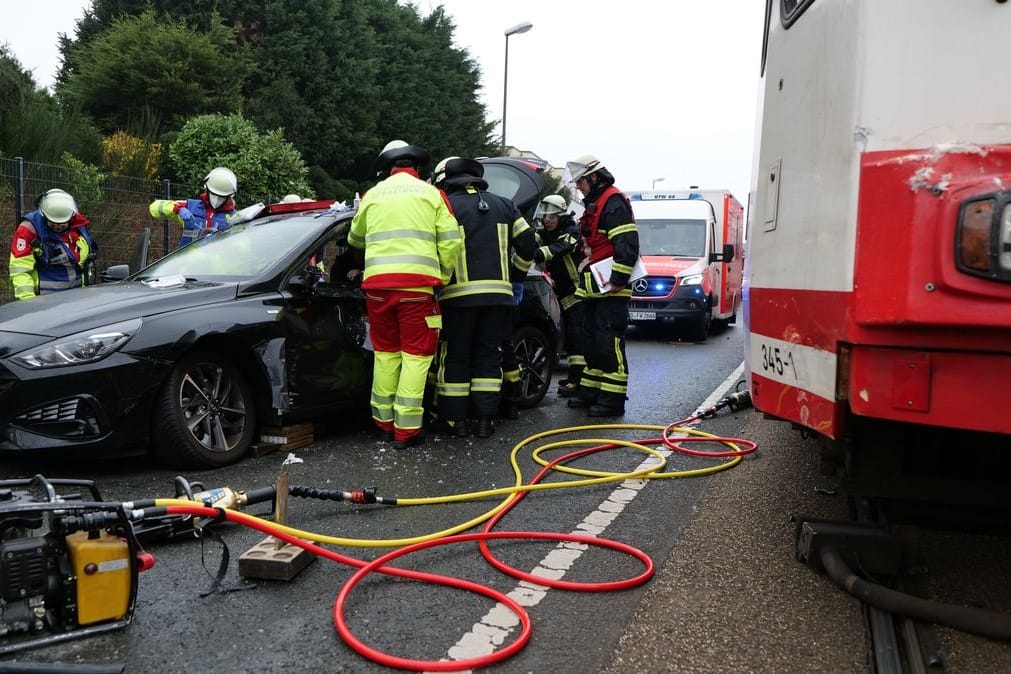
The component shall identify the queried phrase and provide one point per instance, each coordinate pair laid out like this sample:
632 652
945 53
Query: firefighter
52 249
478 302
561 254
608 227
411 241
212 210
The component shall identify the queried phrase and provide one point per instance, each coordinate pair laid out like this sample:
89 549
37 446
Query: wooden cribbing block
267 562
287 437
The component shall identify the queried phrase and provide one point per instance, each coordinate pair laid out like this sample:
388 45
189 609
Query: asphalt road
728 595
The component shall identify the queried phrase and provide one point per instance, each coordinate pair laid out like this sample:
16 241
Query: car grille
77 417
62 410
656 286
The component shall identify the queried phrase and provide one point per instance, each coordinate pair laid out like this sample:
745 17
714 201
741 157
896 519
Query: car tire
205 415
700 328
536 357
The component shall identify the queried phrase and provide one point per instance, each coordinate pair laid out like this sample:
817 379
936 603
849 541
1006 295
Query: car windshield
679 237
243 251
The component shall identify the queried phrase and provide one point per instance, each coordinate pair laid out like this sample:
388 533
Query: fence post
164 223
19 189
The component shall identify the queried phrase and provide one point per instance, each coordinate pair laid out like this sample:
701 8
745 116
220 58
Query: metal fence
117 207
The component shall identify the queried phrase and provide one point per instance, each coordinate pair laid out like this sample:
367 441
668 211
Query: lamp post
657 180
518 28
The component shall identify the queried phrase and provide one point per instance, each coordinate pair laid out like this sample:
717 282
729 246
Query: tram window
790 10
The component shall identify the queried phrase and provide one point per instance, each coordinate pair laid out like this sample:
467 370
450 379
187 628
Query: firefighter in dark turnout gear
561 254
608 227
477 304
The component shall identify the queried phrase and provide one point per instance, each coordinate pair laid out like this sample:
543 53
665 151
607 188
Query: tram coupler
868 548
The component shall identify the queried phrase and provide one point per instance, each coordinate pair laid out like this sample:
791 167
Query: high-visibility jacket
498 246
409 234
561 251
44 261
205 218
608 227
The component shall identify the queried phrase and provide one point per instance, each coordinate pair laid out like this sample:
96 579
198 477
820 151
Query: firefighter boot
485 427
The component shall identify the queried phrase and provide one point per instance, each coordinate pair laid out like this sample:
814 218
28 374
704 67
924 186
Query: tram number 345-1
778 360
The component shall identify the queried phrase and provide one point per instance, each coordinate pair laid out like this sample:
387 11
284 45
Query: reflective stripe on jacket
205 218
56 262
409 234
608 227
498 246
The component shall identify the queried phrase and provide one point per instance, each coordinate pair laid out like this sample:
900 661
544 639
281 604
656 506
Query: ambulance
690 243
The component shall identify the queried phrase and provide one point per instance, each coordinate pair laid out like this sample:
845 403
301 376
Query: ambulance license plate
642 315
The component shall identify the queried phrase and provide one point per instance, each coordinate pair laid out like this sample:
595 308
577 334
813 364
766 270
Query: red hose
380 563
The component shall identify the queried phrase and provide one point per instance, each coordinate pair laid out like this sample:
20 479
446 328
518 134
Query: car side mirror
726 256
116 272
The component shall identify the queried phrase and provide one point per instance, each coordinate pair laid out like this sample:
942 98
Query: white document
601 272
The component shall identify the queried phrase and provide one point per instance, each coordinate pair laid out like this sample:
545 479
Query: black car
250 326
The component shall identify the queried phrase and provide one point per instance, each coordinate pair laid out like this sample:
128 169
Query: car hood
664 265
72 311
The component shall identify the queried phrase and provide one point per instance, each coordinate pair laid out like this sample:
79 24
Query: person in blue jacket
52 249
211 211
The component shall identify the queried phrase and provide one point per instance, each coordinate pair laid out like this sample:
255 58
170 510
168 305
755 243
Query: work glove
185 214
538 256
517 293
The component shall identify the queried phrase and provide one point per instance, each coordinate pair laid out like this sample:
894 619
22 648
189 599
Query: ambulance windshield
671 236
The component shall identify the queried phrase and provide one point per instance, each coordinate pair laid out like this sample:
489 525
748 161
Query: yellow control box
101 564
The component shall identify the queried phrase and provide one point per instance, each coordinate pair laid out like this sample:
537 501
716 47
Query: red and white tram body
878 268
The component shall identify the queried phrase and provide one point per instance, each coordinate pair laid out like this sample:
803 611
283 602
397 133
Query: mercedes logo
640 286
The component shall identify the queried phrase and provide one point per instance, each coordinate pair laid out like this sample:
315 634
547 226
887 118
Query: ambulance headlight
693 280
983 237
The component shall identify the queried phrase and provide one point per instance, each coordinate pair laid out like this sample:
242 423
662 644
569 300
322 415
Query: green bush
265 164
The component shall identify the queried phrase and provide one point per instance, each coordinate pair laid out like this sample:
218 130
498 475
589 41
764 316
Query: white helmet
583 166
553 204
439 174
290 198
221 181
57 206
397 150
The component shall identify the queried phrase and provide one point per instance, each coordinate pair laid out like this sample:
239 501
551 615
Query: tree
265 164
340 77
32 125
145 64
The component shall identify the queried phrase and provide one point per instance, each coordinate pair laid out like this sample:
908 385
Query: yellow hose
592 478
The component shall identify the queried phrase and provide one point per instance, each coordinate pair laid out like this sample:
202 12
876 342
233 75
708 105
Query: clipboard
601 272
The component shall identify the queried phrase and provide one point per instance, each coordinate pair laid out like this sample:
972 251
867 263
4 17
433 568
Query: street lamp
657 180
518 28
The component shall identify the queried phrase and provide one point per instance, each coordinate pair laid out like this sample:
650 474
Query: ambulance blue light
659 286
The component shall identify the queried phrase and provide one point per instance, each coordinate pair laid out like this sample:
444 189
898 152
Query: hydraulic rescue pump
68 562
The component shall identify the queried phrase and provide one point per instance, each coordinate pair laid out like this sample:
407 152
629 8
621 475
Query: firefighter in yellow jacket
411 242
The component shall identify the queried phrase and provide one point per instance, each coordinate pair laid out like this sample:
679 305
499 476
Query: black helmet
398 150
461 166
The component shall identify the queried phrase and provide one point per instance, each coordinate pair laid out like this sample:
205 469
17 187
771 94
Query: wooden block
265 561
258 449
288 437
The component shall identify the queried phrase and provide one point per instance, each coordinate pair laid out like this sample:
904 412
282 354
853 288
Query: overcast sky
654 89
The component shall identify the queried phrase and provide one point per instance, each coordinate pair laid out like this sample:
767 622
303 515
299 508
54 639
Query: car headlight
693 280
84 347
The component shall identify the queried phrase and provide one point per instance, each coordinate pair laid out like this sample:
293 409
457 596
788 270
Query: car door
328 358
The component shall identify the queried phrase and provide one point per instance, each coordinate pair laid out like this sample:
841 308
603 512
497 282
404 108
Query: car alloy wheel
536 358
206 415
